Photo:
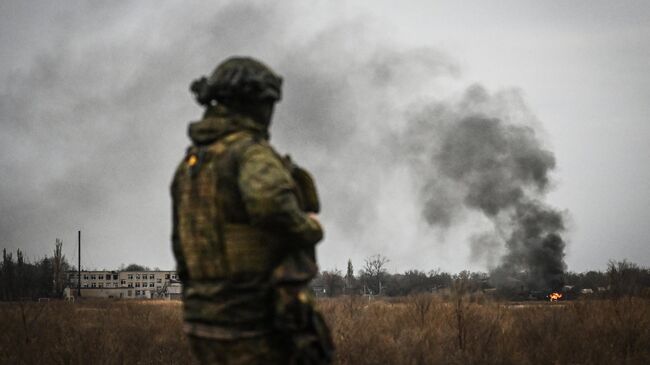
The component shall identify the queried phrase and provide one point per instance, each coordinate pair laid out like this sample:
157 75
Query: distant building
126 284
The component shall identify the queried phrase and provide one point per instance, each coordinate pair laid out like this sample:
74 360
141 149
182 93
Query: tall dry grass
416 330
428 330
92 332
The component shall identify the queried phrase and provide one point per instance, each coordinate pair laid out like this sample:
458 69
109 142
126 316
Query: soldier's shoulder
241 139
233 145
248 144
261 150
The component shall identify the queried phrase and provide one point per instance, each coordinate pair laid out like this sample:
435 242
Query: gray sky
94 105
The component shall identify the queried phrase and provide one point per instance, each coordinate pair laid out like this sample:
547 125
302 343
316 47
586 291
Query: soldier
244 229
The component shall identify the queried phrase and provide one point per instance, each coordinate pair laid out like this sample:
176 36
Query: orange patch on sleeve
191 161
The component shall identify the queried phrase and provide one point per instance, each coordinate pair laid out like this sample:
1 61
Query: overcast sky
94 106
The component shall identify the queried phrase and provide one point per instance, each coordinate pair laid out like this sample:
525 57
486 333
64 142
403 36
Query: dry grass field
414 330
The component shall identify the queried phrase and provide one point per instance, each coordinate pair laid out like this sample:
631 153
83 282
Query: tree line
21 279
620 279
46 277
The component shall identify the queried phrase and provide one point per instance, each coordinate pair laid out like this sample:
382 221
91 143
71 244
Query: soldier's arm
268 192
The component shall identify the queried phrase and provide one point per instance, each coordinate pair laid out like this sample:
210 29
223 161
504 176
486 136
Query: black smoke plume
482 153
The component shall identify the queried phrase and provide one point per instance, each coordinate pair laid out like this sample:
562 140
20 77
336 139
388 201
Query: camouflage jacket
255 189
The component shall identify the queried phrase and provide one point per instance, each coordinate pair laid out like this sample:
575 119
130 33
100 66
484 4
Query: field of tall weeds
420 329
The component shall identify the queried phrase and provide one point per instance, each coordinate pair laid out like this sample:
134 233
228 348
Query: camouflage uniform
243 241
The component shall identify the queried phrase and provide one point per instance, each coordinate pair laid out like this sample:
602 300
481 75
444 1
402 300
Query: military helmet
241 78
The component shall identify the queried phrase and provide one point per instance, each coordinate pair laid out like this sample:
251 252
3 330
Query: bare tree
625 278
374 271
375 265
57 268
333 282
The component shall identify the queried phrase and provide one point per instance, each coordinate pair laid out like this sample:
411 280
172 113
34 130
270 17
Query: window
173 276
114 276
93 277
130 276
158 280
166 276
137 292
123 282
85 285
100 285
93 285
151 276
137 285
100 277
130 285
137 276
151 285
108 277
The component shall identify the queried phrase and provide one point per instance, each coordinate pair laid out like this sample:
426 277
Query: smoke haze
97 129
411 161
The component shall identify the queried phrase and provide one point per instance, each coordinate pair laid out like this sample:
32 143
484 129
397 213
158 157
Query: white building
126 284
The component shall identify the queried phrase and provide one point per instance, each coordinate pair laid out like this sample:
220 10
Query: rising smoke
93 126
482 154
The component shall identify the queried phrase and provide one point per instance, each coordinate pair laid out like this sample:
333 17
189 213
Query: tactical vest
212 248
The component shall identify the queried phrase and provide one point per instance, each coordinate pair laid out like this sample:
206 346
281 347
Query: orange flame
554 296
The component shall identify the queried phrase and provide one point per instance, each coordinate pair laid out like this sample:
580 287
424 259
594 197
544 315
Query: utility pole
79 267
